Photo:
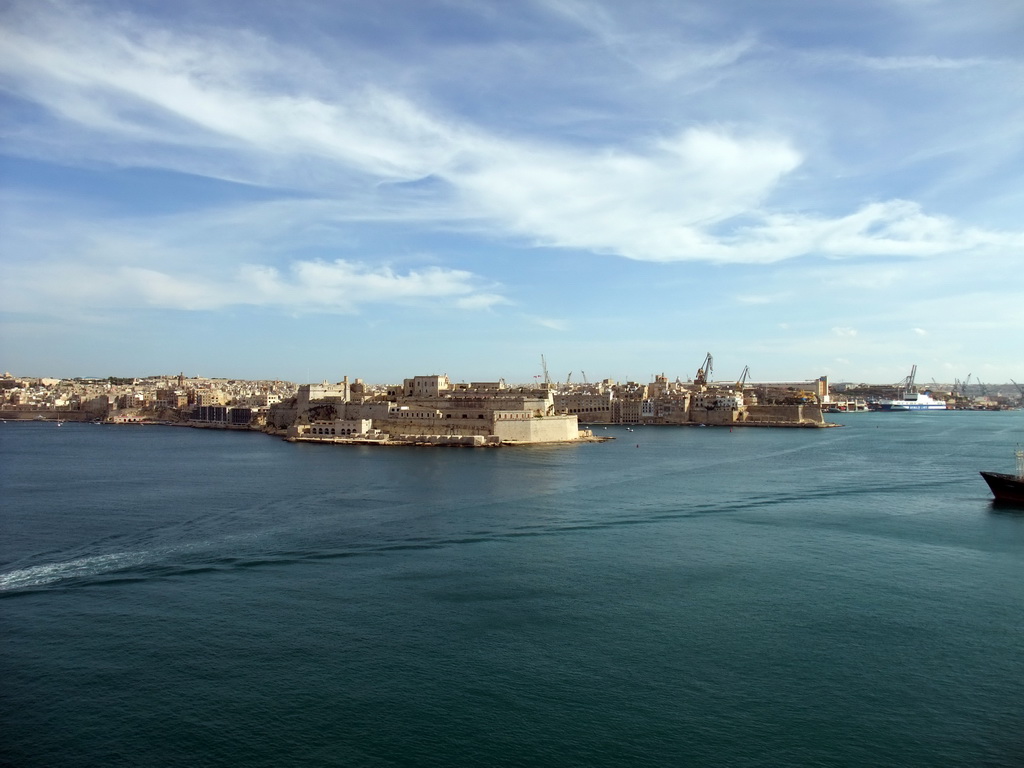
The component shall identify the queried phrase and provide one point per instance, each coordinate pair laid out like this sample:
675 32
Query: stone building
428 407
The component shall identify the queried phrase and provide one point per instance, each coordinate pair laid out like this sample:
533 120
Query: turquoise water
842 597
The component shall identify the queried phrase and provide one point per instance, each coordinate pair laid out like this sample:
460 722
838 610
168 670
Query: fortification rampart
782 415
47 414
548 429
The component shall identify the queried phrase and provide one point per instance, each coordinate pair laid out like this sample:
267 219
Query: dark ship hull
1009 488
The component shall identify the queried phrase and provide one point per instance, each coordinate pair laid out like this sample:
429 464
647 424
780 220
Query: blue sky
313 189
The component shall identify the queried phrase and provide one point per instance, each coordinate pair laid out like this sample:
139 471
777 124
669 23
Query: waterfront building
588 404
695 402
430 409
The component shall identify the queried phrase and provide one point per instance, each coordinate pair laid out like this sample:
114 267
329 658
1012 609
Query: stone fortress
426 410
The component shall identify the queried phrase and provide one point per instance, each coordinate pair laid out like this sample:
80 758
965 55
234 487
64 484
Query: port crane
743 378
1019 389
704 372
907 385
544 366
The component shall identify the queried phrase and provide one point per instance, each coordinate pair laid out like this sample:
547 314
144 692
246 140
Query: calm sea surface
676 597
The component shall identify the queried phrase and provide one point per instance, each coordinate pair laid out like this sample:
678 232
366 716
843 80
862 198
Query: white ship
913 401
910 399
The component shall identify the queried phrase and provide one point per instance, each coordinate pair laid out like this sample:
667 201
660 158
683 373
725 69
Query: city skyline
396 188
575 380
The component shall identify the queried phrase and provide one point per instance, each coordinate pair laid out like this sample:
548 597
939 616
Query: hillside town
434 410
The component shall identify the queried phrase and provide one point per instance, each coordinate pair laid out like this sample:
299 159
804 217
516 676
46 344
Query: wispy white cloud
655 204
217 259
892 228
701 193
550 323
657 54
760 299
216 92
897 63
337 286
481 301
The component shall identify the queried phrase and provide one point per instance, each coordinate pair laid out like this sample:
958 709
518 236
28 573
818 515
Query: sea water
674 597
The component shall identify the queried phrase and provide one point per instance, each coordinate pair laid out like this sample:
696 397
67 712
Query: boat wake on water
83 567
248 550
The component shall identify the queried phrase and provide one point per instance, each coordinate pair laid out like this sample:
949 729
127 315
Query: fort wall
800 415
548 429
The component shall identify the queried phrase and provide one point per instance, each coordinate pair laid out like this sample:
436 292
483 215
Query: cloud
337 286
896 63
655 53
549 323
845 332
235 105
69 259
762 299
654 204
159 90
481 301
216 92
892 228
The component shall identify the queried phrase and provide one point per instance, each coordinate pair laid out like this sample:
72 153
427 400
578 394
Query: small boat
1008 488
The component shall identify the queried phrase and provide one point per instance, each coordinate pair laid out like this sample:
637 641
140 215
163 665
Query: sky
310 189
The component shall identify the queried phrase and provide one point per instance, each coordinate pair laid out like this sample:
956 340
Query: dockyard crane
544 366
1019 389
910 378
568 379
584 375
907 383
743 378
963 386
704 372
